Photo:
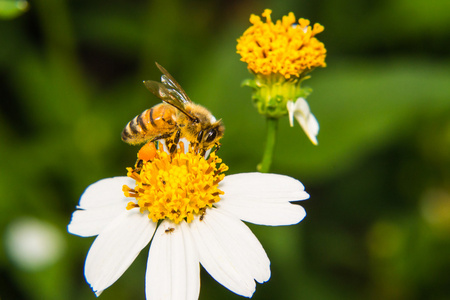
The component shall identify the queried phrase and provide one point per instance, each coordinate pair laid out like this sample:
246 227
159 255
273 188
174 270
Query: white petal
313 125
309 125
116 247
173 270
99 205
230 252
263 198
264 187
92 221
106 192
291 107
271 214
306 119
301 105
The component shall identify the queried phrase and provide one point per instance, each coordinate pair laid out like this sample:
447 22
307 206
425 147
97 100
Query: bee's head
203 128
211 134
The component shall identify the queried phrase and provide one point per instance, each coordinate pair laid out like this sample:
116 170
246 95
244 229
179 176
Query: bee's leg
169 144
138 165
160 137
196 145
164 137
173 148
176 139
172 143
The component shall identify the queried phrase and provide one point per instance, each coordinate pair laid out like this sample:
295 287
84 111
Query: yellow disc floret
176 186
283 47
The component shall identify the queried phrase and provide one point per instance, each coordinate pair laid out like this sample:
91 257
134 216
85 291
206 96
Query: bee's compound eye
200 136
211 135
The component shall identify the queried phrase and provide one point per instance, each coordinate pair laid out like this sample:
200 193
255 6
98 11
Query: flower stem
272 126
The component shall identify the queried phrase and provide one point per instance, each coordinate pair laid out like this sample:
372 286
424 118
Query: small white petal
309 125
116 247
300 110
301 105
291 107
230 252
263 199
306 119
313 125
173 269
105 192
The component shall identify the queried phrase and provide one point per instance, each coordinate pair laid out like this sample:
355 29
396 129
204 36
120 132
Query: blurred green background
378 223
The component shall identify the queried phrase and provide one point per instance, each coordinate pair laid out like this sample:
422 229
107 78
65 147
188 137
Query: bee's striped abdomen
137 129
154 123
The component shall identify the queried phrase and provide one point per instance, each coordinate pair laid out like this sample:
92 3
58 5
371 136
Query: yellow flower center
176 186
283 47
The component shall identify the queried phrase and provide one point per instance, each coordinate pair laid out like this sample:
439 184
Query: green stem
272 126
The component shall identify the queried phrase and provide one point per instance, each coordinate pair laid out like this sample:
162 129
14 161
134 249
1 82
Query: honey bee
177 117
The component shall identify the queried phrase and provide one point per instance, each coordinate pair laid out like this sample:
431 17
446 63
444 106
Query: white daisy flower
192 214
300 110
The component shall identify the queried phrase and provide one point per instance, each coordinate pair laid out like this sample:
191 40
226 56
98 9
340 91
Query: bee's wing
172 85
169 91
166 95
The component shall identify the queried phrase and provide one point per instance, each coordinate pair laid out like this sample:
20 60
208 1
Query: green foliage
10 9
378 223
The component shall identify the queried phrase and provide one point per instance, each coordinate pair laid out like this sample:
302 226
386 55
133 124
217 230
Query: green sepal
271 93
249 82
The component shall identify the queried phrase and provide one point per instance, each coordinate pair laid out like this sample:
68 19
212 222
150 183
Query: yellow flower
284 47
176 187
